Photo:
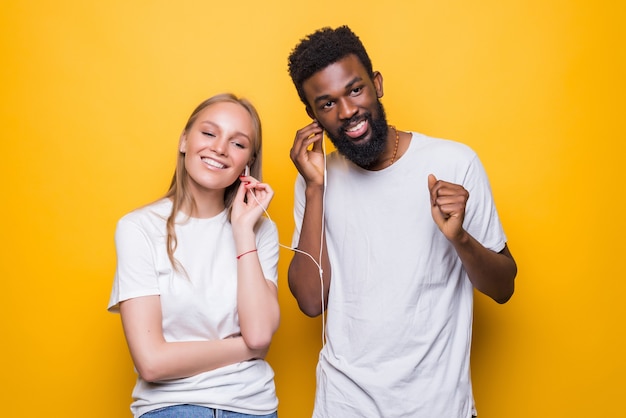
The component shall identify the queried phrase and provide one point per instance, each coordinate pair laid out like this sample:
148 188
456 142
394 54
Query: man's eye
327 105
357 90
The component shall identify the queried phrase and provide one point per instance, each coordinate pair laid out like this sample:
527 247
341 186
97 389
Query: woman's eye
208 134
238 143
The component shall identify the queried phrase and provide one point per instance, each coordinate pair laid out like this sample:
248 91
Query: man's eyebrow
348 86
353 82
322 98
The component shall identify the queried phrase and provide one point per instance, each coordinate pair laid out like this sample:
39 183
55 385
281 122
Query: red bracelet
247 252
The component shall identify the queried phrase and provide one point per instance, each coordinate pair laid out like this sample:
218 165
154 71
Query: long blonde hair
178 191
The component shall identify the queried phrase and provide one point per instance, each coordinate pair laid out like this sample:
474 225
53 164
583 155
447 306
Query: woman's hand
251 201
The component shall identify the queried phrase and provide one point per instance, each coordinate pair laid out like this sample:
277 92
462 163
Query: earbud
246 171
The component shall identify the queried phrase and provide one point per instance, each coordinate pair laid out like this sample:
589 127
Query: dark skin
341 92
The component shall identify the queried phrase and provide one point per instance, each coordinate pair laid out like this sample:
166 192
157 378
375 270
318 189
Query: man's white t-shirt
399 316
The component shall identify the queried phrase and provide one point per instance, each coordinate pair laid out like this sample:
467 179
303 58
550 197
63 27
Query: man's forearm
306 268
491 273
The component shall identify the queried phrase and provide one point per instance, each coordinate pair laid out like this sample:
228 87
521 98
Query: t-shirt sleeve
298 209
481 217
135 273
267 246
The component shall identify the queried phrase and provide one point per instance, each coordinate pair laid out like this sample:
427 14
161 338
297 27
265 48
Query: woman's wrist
254 250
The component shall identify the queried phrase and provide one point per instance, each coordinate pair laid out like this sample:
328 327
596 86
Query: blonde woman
196 276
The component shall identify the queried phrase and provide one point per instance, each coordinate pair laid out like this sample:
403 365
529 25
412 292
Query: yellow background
93 98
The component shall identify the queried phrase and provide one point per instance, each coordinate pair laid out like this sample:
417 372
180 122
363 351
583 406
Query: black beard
363 155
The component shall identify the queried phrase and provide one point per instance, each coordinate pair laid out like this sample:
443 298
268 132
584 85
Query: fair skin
217 148
343 91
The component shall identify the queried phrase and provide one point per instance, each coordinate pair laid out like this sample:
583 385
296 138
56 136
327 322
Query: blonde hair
178 192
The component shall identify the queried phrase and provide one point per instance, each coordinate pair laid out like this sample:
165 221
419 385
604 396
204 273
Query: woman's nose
218 145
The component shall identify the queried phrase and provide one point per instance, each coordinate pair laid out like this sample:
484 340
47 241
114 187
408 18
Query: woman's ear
182 143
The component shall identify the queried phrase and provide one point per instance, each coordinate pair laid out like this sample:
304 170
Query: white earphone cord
318 264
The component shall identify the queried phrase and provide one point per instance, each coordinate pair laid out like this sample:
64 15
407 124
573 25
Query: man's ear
377 79
182 143
309 112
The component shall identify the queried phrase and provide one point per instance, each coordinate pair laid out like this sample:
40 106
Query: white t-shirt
399 318
201 306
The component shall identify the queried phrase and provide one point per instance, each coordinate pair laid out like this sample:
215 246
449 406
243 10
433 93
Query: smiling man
402 228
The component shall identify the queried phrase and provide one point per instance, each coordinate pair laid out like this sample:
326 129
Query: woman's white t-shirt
200 305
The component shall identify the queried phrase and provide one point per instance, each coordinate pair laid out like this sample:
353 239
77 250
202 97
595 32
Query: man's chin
360 141
350 142
357 156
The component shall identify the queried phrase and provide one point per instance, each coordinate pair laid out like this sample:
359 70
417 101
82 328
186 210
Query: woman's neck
208 203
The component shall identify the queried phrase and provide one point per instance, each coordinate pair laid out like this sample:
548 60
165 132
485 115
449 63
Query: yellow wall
94 95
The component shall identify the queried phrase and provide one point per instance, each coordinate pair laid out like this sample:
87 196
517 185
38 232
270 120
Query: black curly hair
322 48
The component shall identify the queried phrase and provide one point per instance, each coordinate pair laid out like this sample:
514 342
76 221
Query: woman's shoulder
157 211
265 225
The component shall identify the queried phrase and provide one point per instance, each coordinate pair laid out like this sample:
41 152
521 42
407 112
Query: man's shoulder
439 143
430 148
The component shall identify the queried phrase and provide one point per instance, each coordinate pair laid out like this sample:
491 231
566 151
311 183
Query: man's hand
448 202
310 163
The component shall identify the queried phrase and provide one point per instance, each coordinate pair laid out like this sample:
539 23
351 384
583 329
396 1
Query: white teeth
213 163
357 126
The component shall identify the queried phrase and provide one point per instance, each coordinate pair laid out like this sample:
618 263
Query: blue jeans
195 411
